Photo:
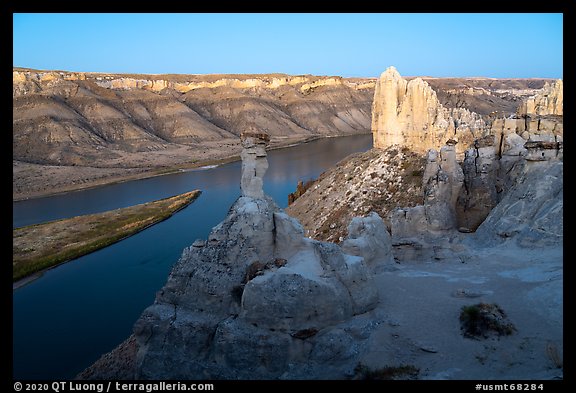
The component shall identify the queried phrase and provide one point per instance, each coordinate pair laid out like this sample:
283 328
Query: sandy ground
420 304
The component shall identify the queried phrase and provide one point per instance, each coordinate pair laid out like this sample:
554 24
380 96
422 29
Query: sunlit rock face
549 101
409 114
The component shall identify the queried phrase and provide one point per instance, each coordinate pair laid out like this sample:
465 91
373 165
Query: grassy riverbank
40 246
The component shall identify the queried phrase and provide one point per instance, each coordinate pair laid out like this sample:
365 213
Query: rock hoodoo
254 163
258 299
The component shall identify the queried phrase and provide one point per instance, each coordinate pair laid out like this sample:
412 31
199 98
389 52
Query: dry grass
554 355
37 247
483 320
401 372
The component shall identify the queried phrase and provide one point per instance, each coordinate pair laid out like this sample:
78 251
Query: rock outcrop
368 237
549 101
408 117
254 163
442 180
531 212
258 300
538 117
376 181
409 114
481 184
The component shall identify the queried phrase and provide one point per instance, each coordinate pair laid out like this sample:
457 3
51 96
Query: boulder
368 237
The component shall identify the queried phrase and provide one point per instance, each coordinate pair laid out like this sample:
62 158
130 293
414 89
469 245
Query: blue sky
364 45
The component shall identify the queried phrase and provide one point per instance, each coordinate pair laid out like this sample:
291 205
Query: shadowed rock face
369 238
258 299
442 180
481 184
531 212
208 322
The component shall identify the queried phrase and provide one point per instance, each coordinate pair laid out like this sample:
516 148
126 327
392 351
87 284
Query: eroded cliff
410 123
65 123
258 299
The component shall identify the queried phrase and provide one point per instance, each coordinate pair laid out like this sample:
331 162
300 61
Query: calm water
76 312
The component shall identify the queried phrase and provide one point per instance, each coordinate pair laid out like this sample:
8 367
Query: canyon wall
64 118
519 122
76 129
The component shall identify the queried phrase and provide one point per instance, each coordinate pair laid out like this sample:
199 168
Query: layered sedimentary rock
61 118
257 299
544 151
538 117
531 212
254 163
409 114
549 101
441 182
481 184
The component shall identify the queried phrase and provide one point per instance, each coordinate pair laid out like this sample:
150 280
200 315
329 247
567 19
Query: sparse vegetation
304 333
376 180
40 246
301 188
554 355
483 320
386 373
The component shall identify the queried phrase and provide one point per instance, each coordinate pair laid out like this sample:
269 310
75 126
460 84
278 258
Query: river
69 317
